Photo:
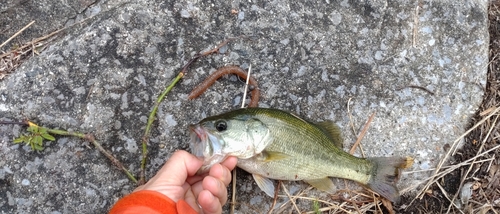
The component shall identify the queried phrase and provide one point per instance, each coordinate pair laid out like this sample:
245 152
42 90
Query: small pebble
425 165
241 15
185 14
25 182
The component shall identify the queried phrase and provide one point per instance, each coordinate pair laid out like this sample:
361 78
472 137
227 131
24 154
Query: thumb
171 179
178 168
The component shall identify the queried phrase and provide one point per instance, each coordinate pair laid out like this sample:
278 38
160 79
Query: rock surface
318 59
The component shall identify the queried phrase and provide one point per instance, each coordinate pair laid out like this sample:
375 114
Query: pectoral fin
323 184
267 156
265 184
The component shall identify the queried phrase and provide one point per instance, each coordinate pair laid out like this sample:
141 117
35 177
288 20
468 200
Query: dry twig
233 199
17 33
362 134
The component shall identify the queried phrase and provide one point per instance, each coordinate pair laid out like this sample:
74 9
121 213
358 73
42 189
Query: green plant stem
97 145
66 133
151 119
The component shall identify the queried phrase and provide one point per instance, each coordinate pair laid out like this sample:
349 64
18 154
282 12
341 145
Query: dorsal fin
332 131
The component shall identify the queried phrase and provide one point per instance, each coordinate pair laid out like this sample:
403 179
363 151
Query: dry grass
343 201
18 53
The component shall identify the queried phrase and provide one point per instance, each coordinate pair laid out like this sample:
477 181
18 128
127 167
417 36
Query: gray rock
48 16
312 58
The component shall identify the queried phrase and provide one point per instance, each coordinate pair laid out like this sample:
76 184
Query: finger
209 204
197 188
194 179
216 187
141 187
190 199
217 171
221 172
230 162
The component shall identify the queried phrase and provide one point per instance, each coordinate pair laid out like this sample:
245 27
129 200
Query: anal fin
265 184
323 184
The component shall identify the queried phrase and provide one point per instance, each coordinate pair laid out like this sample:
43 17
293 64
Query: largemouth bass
274 144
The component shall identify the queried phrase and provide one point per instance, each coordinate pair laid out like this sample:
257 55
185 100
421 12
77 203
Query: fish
273 144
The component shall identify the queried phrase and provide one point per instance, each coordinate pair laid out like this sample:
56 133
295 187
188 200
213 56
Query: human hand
177 180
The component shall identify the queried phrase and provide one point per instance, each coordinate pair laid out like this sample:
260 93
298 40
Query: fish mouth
198 140
202 143
205 146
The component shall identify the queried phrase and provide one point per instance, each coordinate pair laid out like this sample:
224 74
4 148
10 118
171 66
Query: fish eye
220 125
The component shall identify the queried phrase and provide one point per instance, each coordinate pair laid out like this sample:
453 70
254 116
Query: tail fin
386 174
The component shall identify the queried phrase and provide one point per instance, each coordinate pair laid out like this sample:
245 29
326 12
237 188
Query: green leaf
42 130
28 140
316 206
37 140
48 137
37 147
20 139
33 129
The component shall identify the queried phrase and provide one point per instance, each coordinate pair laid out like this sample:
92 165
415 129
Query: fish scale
313 145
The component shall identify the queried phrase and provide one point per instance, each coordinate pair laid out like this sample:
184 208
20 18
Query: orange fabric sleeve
151 202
